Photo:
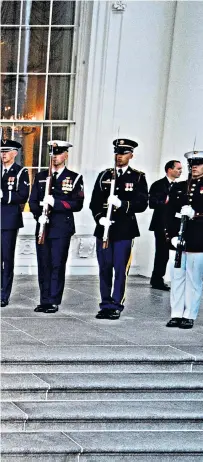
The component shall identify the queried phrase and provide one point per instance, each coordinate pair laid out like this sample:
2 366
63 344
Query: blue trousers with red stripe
8 244
52 257
115 259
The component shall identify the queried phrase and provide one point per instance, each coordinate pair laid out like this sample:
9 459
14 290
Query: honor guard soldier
130 196
186 282
65 198
14 192
158 200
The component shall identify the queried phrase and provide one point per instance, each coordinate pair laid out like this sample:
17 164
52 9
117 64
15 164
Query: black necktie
54 175
5 171
120 172
171 185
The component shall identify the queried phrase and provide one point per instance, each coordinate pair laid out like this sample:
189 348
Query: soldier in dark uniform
158 199
67 196
14 192
130 197
186 282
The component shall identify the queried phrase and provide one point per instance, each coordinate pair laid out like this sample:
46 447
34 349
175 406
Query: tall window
38 65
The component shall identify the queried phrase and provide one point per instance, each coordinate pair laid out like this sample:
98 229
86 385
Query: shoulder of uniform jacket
71 172
107 170
139 172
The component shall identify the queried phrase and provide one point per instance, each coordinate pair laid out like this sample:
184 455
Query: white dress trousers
186 285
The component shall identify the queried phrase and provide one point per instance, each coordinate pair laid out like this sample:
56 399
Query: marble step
121 446
102 415
113 386
102 358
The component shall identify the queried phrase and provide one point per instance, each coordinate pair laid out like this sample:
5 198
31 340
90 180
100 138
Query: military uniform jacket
15 188
157 196
69 196
187 193
131 189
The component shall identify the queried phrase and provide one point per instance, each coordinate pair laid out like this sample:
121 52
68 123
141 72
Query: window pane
9 49
31 97
61 50
29 137
35 12
63 12
10 12
8 90
33 52
58 133
57 98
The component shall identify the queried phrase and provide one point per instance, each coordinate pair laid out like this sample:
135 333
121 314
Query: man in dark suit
130 196
14 192
158 200
66 197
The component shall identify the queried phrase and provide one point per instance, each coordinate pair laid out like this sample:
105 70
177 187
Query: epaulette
139 171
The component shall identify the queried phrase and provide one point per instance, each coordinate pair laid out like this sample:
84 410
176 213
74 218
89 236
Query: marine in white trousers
186 285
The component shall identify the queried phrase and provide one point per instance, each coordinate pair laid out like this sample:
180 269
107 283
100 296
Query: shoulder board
138 171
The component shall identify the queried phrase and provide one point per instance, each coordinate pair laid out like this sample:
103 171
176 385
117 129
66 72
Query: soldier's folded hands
43 219
105 221
188 211
114 200
48 200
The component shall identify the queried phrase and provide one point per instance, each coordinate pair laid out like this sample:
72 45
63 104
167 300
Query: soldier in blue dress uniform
67 196
14 192
130 197
186 199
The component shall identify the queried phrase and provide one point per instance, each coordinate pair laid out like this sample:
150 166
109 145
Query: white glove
43 219
114 200
49 200
174 241
1 194
188 211
105 221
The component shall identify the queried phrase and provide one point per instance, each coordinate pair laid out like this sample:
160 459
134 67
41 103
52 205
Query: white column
127 84
184 109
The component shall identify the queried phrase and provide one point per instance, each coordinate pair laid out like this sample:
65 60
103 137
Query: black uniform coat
131 189
157 196
15 187
69 196
187 193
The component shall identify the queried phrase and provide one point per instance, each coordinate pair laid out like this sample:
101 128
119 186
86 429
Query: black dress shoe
40 308
51 308
102 314
4 302
161 287
114 314
174 322
186 323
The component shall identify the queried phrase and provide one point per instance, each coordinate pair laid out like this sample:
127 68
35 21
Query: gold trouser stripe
127 270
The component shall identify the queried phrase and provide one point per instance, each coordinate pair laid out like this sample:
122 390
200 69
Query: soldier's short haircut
171 164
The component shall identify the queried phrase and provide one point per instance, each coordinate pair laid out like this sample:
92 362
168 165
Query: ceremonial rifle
110 206
109 211
46 207
181 241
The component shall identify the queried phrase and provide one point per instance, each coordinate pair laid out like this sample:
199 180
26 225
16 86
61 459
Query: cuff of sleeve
98 216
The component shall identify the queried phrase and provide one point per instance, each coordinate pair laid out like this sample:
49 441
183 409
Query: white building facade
101 66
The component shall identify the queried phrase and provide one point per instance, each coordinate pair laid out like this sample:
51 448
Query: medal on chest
201 190
128 186
67 185
10 182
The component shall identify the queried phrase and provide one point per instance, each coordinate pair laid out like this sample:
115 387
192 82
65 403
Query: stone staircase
103 404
